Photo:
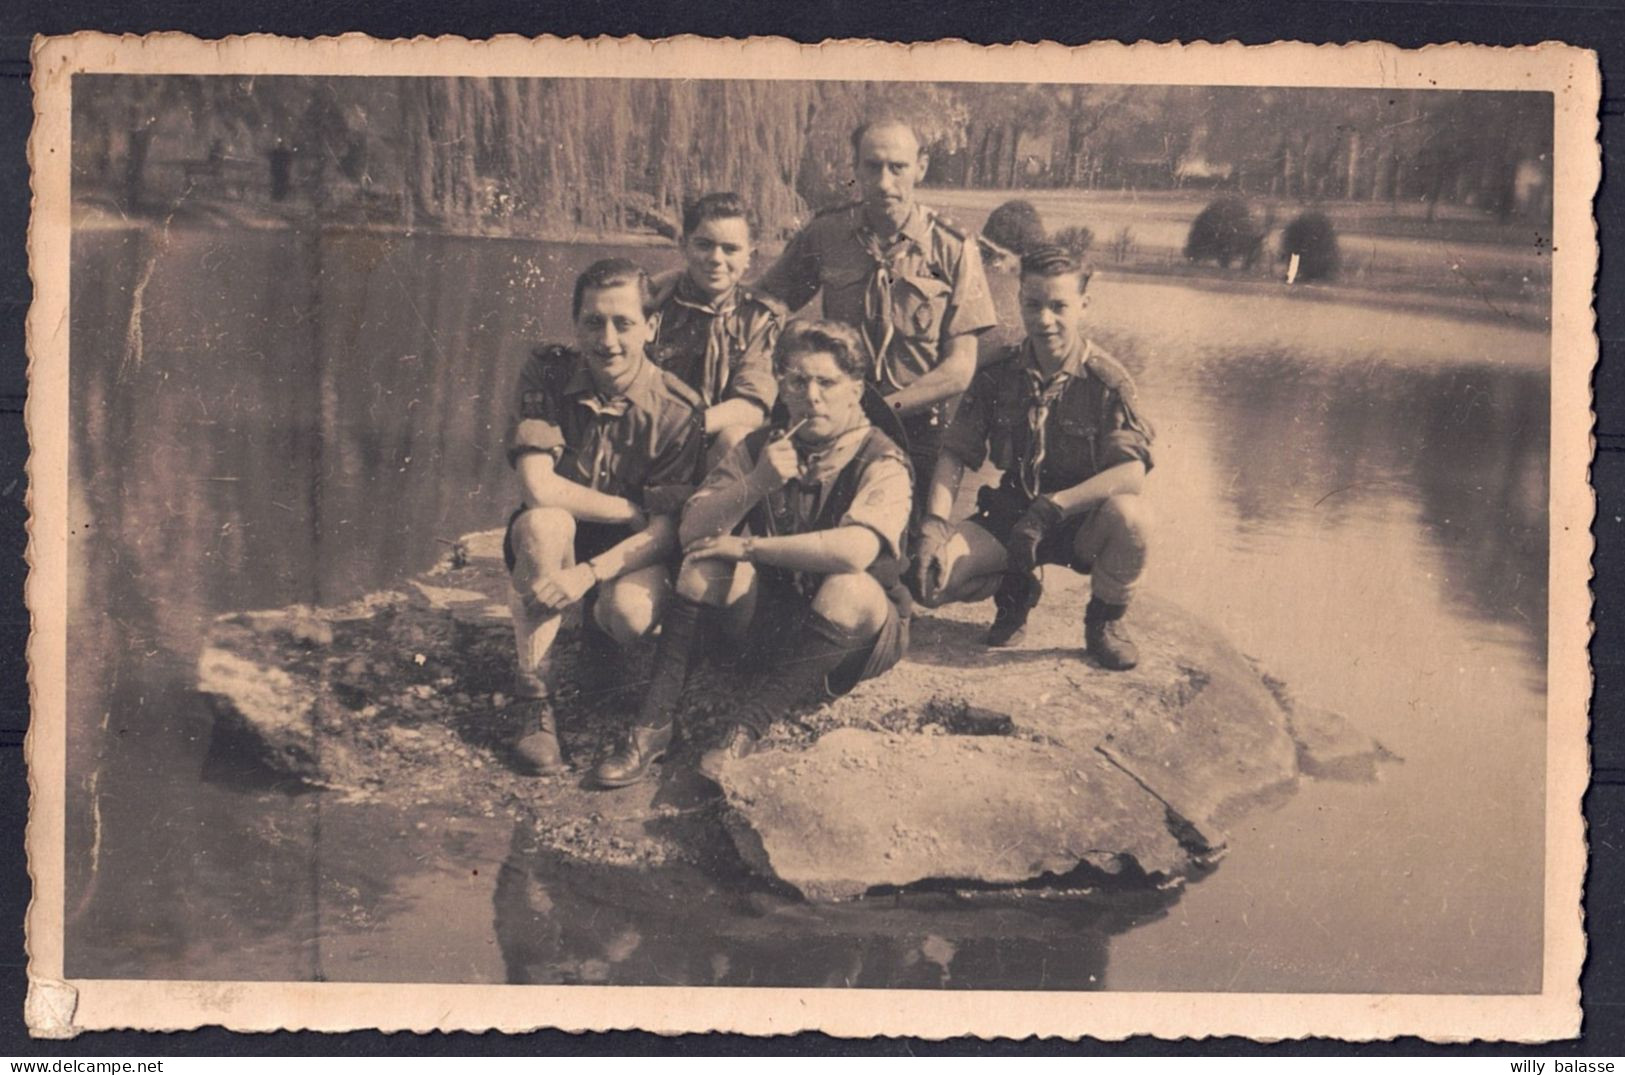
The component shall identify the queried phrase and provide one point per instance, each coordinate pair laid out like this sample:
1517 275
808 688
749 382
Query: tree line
544 156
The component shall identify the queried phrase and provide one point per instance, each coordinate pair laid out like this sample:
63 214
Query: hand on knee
707 581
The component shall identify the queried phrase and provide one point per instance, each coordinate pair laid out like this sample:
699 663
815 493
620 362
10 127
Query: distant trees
546 154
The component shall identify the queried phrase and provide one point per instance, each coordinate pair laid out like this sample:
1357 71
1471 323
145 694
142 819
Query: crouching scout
606 447
794 543
1060 418
713 332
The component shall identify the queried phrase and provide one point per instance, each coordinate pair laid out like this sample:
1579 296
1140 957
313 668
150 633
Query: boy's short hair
1054 261
720 205
886 119
612 272
807 335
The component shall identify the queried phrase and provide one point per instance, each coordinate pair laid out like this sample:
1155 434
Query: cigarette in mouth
792 430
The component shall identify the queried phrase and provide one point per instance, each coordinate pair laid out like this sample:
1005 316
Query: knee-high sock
679 639
533 637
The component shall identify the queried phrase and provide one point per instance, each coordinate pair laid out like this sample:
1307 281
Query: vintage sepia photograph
965 545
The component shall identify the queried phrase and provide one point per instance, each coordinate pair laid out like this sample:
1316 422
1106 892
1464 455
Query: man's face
1052 312
612 331
889 164
717 252
815 389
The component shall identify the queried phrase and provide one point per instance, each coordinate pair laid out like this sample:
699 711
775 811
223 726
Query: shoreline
1514 309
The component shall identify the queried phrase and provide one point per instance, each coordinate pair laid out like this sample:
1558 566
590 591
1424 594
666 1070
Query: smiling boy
713 332
793 542
1060 418
606 447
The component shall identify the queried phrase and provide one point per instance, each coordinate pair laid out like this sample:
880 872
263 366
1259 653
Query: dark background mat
1596 24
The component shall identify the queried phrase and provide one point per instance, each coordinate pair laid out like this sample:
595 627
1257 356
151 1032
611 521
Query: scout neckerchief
1042 395
877 292
719 342
605 412
804 493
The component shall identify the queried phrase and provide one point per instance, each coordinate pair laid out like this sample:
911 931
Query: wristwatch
747 553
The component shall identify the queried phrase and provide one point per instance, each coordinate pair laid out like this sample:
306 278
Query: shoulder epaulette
830 210
677 387
948 224
762 298
1108 369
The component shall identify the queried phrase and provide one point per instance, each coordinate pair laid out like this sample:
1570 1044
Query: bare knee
629 608
706 581
543 540
853 602
1130 512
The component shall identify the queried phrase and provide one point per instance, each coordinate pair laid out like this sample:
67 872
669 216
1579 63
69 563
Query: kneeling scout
606 447
1060 418
794 542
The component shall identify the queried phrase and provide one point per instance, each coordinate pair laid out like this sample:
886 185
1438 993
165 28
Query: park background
298 308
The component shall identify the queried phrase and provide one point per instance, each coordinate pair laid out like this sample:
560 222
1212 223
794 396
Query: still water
265 417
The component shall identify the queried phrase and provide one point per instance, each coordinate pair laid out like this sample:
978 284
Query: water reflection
1320 445
561 922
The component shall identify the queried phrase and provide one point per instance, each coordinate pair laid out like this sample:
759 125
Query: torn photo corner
372 687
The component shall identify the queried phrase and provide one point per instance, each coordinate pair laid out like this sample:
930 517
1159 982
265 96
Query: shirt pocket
1072 441
918 306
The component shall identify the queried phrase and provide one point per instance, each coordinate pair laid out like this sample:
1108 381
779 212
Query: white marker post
1292 270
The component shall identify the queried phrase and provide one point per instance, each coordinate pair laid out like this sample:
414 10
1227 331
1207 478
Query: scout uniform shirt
1050 435
645 444
906 296
880 503
722 350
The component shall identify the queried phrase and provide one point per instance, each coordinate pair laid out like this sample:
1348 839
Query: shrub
1224 232
1075 240
1311 237
1016 226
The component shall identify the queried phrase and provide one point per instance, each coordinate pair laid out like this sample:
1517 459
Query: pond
262 417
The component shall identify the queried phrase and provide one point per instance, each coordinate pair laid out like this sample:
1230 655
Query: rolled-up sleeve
966 436
533 424
1126 435
882 502
970 303
752 376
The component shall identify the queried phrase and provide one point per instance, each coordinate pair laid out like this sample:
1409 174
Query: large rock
963 765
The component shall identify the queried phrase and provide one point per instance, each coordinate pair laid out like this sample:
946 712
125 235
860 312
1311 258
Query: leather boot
1105 639
651 733
819 649
540 747
633 762
1016 596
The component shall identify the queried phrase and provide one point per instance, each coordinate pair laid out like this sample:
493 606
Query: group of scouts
701 462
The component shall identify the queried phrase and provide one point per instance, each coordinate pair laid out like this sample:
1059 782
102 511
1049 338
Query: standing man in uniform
1060 417
715 333
606 447
906 279
794 544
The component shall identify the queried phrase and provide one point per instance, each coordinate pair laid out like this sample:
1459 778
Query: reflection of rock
965 765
